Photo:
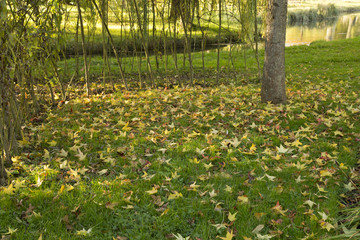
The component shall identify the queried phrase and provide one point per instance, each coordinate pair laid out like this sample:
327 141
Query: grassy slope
182 160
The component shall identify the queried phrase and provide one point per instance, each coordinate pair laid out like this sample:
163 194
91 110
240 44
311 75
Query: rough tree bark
3 93
4 129
86 66
218 47
273 82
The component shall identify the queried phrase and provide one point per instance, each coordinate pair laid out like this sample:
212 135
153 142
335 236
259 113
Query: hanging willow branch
113 45
144 44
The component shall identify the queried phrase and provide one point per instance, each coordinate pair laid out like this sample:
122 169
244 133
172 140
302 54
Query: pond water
341 27
345 26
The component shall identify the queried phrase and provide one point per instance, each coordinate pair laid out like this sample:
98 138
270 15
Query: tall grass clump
327 11
322 13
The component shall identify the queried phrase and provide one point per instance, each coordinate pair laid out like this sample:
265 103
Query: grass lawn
203 163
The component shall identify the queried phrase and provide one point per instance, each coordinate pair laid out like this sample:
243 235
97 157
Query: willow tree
144 39
86 66
185 10
24 41
3 91
106 28
8 105
218 47
273 82
104 4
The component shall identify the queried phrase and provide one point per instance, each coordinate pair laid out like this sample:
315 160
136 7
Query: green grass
320 61
180 161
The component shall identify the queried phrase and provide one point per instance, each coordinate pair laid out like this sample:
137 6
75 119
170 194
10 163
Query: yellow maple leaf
213 193
282 149
229 236
46 154
346 149
152 191
83 232
278 209
252 148
69 187
174 175
194 186
82 170
342 166
208 166
337 132
321 189
195 160
235 142
325 173
52 143
258 228
111 205
326 225
19 184
102 172
228 189
24 142
243 199
299 166
63 153
126 128
80 155
62 188
277 157
279 189
9 190
110 160
303 148
175 195
232 217
297 143
165 212
11 231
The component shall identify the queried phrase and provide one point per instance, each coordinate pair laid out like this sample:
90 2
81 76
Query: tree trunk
5 121
86 66
256 39
155 42
113 45
4 128
218 47
187 21
105 42
3 91
144 40
273 83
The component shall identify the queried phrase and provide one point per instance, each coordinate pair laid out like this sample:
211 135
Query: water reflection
346 26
